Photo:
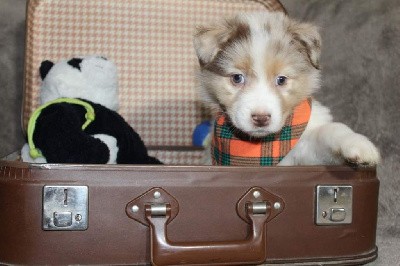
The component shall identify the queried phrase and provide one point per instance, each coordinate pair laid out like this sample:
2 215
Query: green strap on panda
90 116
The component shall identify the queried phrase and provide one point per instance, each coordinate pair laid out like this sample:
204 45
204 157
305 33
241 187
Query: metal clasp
65 208
334 205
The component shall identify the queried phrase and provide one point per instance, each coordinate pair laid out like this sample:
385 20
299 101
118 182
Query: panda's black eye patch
75 62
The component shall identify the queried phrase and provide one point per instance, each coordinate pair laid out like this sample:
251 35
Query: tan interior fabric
151 43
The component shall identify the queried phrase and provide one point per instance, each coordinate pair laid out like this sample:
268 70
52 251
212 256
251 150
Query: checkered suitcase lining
151 43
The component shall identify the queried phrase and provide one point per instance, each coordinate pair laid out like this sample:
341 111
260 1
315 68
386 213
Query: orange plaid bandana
231 148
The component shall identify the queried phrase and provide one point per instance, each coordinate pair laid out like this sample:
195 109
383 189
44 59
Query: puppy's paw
359 150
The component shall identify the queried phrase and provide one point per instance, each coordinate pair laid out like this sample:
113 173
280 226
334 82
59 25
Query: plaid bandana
231 148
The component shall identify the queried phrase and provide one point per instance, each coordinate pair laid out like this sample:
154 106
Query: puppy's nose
261 119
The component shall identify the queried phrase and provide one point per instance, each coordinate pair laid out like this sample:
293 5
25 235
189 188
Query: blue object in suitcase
200 133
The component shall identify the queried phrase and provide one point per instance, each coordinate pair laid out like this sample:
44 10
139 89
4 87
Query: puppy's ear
307 40
208 41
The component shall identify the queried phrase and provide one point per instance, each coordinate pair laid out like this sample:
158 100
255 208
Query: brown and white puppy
257 68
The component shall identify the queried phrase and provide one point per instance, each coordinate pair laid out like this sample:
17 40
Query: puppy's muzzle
261 119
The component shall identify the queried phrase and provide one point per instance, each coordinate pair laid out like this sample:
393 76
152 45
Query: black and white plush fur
59 135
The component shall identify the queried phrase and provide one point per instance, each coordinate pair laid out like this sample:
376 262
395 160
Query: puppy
256 69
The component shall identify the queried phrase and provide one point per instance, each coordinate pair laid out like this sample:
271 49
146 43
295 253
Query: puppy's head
257 68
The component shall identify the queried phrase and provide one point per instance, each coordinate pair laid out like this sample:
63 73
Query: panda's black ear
75 63
45 68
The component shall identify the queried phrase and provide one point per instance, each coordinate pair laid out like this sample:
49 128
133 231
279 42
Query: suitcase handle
252 250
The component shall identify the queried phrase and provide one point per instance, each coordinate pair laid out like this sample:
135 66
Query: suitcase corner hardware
65 208
334 205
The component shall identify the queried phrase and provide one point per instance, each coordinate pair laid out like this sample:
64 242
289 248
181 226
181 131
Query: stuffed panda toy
77 121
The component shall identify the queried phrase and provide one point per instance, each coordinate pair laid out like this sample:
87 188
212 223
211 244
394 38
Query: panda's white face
92 78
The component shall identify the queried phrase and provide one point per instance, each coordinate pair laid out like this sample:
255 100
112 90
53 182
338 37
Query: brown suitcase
176 214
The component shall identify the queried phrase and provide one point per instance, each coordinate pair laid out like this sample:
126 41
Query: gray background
361 85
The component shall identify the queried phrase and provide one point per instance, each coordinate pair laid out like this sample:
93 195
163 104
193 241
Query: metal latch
65 208
334 205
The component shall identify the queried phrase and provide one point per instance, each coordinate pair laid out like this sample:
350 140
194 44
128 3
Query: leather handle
252 250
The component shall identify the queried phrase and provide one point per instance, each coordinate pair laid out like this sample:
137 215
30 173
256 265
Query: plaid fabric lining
231 147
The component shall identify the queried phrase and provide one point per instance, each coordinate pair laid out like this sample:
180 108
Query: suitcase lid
150 41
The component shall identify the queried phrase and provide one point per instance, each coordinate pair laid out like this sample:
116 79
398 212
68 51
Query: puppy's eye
238 79
281 80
